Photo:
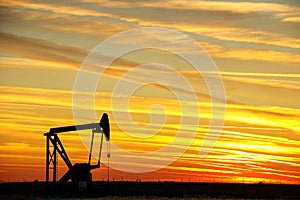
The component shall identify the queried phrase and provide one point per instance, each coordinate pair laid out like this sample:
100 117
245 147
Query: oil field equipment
79 172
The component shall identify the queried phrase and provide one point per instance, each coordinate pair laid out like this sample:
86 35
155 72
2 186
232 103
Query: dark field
150 190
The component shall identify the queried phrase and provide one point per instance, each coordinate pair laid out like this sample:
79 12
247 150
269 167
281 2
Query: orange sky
254 44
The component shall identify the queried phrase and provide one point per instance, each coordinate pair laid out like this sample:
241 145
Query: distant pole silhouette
108 169
108 156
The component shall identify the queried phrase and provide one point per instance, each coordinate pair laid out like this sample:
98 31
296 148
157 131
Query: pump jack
79 172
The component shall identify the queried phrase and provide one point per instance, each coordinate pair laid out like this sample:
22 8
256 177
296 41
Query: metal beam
101 127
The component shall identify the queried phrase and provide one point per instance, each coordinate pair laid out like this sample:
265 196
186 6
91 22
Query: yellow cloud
251 54
234 7
8 62
55 9
40 49
238 7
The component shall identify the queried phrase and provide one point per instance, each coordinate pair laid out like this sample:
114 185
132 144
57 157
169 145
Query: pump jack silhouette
79 172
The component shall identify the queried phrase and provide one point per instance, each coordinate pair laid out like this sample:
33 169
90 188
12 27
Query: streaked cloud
40 49
70 10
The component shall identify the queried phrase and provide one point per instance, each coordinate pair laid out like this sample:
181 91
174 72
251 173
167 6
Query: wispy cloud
251 54
40 49
70 10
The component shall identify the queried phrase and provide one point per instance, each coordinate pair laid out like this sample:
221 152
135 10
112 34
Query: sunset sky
254 44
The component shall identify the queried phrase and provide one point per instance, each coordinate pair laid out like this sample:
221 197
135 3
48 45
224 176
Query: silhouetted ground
150 190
